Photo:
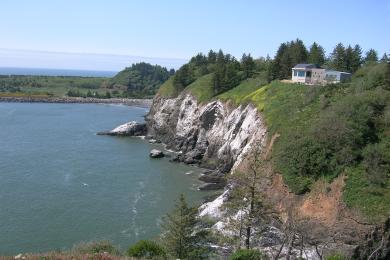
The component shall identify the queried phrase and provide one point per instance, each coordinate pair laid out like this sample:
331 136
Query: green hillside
325 131
140 80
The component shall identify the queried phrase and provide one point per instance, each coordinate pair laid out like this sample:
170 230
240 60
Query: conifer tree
356 61
316 54
387 76
180 236
337 58
246 200
371 56
298 53
385 58
248 65
348 58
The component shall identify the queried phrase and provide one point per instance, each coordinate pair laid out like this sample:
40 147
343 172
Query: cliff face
218 136
212 135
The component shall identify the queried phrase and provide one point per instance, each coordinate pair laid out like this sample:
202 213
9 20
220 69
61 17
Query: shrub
96 248
335 257
146 249
247 254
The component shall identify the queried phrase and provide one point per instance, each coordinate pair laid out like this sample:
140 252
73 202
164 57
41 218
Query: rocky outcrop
132 128
156 154
212 135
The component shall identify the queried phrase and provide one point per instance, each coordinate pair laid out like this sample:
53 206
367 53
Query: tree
245 200
316 54
387 76
356 61
277 63
248 65
337 58
180 236
385 58
211 57
298 52
371 56
349 58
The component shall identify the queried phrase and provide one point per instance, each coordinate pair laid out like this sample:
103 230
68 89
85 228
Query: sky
112 34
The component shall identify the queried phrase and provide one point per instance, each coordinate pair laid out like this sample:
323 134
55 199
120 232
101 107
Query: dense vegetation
224 71
141 80
48 85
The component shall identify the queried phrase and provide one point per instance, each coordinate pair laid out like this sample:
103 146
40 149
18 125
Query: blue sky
103 35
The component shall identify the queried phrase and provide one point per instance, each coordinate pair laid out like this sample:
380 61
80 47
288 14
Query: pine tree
179 232
337 58
298 52
356 61
276 64
316 54
245 200
211 57
248 65
371 56
348 58
385 58
387 76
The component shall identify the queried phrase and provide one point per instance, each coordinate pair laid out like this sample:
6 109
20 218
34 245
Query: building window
301 74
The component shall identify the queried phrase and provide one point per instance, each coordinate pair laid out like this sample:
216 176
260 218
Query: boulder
156 154
132 128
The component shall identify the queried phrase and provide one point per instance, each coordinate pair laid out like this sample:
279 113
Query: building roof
305 66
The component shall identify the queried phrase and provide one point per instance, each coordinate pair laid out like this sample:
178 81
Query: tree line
347 59
228 72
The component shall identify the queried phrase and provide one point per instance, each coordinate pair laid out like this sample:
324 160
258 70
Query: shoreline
79 100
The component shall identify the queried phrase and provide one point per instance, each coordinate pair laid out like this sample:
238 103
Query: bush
96 248
335 257
146 249
247 254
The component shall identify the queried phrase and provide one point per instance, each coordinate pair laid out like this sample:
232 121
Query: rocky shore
79 100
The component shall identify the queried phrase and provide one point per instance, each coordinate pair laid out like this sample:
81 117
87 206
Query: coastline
79 100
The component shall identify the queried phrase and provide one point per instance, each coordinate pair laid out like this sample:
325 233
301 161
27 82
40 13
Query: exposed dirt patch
324 202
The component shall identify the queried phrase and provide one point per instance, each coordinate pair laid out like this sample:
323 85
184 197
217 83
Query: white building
314 75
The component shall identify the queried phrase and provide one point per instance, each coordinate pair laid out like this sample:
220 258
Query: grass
202 88
167 89
239 94
57 86
372 201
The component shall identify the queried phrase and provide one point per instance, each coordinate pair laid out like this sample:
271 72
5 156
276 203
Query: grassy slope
288 107
167 89
202 88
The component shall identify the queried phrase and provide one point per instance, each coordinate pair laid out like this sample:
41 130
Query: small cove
60 184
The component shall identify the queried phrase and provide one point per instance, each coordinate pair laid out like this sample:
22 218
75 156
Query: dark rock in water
211 186
176 158
212 179
129 129
156 153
